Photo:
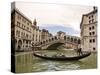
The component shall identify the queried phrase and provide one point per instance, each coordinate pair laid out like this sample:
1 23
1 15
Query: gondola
62 58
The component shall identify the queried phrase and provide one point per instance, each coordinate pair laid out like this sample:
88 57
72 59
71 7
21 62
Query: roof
60 32
44 30
19 12
92 12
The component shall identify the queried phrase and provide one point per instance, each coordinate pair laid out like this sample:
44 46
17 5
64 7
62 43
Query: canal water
41 65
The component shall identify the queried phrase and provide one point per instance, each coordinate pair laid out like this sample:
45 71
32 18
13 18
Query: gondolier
79 50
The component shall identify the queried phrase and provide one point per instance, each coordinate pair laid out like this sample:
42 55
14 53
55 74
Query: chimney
94 8
35 22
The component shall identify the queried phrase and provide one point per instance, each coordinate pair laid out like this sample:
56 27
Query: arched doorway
19 45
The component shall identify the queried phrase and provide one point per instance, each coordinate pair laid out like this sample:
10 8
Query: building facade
36 33
88 28
44 34
21 30
24 32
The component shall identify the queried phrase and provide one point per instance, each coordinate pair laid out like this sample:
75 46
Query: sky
55 17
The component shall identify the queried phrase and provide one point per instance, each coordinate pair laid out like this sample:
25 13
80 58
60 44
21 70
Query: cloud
61 14
54 28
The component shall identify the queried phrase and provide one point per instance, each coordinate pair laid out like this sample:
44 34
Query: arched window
49 40
52 39
68 38
75 40
41 42
55 38
79 41
71 39
17 33
64 37
46 40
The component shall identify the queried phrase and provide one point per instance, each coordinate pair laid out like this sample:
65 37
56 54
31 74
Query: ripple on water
69 67
55 66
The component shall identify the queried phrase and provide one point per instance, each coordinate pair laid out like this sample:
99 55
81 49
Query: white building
88 28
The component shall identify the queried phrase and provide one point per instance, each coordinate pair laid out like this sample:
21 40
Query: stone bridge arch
71 41
54 46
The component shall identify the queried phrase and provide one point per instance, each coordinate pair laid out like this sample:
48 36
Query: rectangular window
27 28
19 17
93 48
21 34
24 20
93 33
27 23
18 33
22 26
92 16
92 20
92 27
89 28
89 17
89 21
90 33
18 23
93 40
26 35
90 40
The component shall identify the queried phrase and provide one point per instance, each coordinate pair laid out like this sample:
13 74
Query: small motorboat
60 58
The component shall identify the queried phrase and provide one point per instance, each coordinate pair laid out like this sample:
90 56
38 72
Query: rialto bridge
56 41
